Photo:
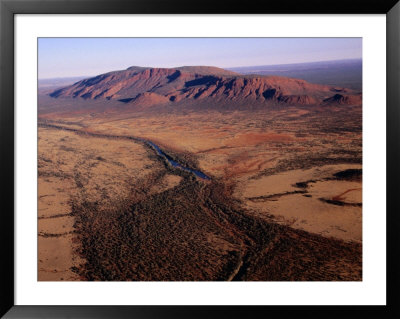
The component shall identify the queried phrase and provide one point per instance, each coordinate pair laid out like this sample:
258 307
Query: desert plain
282 199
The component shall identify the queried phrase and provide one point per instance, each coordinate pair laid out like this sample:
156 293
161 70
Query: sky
69 57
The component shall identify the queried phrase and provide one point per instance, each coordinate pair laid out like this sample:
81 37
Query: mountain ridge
145 87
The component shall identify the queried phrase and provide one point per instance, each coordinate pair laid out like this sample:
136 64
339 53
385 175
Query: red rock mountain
190 84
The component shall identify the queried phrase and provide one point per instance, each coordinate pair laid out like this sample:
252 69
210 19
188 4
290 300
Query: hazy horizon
80 57
177 66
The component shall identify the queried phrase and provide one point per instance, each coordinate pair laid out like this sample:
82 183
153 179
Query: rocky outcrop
151 86
344 99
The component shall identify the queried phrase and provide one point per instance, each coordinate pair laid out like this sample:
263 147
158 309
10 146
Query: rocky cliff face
156 86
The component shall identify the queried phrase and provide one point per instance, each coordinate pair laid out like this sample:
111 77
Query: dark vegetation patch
165 236
196 232
55 216
297 255
349 175
307 162
301 185
339 202
274 196
59 174
47 235
304 185
277 252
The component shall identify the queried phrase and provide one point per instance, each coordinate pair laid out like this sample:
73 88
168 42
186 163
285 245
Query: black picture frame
8 8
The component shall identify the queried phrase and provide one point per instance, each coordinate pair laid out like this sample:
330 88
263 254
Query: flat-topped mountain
146 87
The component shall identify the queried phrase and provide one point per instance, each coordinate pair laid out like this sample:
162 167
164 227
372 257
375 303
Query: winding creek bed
158 150
174 163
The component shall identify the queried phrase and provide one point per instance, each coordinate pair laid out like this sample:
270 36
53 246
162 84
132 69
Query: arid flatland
283 202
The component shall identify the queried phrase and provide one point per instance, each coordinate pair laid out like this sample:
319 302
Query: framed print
166 160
